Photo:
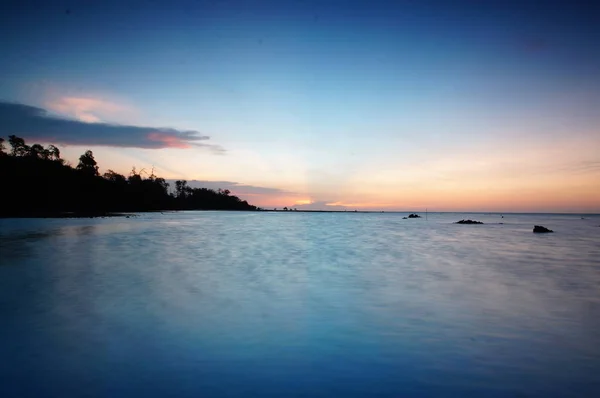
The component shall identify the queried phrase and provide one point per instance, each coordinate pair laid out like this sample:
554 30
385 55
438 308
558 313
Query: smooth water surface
225 304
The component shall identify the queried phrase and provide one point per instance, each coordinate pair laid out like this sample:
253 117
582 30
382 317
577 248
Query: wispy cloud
33 123
88 109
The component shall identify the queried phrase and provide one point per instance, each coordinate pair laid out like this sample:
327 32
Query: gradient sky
404 105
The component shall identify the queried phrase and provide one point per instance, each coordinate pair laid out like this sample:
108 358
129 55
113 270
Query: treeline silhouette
37 182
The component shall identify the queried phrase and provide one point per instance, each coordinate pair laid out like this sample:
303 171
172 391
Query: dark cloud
34 123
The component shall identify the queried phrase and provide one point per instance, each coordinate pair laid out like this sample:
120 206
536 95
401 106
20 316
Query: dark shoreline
68 215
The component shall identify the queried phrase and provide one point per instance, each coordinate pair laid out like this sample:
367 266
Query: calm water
210 304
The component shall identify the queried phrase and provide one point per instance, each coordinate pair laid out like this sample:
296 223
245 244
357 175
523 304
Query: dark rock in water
468 222
539 229
414 216
405 218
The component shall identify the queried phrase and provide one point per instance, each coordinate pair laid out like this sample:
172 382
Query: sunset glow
369 106
303 202
169 141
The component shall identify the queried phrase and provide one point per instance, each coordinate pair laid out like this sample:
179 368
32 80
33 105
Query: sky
370 105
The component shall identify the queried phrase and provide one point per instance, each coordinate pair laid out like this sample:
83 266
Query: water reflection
225 304
23 244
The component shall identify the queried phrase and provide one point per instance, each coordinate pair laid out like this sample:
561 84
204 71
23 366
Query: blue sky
462 105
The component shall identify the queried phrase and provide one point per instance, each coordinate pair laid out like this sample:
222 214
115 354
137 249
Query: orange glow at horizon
360 204
563 177
304 202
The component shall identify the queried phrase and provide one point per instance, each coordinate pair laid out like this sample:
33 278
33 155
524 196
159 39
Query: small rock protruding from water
468 222
413 215
538 229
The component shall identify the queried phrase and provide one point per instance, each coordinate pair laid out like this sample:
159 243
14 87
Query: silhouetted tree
87 163
18 146
115 177
134 178
180 188
53 153
2 153
38 182
38 151
163 184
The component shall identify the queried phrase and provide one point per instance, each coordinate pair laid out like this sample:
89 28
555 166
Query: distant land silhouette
36 182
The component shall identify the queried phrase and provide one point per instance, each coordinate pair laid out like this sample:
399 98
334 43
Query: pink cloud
91 110
169 141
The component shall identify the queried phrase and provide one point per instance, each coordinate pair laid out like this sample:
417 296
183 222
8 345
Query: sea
294 304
